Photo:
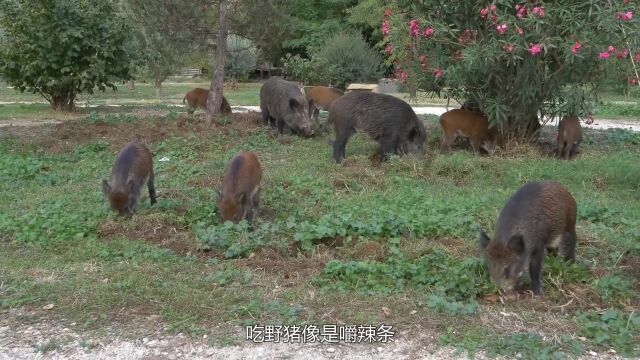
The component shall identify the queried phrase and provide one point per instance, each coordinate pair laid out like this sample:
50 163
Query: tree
514 59
214 100
165 30
59 49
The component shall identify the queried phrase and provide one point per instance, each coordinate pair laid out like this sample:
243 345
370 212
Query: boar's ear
241 198
293 103
131 184
484 239
516 244
106 188
412 134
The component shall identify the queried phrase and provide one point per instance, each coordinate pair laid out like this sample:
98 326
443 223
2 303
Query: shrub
347 58
343 59
242 57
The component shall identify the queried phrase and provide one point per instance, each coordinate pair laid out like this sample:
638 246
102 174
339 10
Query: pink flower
484 13
603 55
387 12
402 76
493 8
636 57
611 49
519 30
388 49
438 73
422 58
428 32
576 47
508 48
535 49
521 11
467 36
502 28
414 28
621 54
633 81
625 16
385 27
538 10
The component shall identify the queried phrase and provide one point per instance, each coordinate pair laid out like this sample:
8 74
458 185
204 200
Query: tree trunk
158 85
131 85
214 101
62 101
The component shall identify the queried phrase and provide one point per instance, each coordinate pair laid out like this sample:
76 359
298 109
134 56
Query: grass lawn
357 243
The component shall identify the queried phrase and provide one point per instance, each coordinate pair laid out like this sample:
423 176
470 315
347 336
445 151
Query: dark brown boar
468 124
240 196
321 98
132 170
197 98
386 119
539 217
569 136
283 103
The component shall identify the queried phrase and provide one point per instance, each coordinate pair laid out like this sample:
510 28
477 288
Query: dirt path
48 340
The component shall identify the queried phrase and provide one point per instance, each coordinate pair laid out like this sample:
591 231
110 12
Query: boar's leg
574 150
568 245
535 267
338 146
447 140
265 116
388 145
152 189
280 124
568 151
475 145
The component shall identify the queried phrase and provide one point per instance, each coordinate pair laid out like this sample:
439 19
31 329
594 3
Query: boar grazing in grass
468 124
321 98
197 98
240 196
569 136
132 170
539 217
282 102
385 118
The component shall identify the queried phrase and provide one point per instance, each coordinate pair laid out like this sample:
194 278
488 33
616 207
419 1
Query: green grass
60 244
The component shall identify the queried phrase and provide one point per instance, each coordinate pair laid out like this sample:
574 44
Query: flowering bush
518 60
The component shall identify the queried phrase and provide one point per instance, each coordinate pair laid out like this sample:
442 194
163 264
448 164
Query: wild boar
321 98
385 118
132 170
468 124
283 102
240 196
539 216
197 98
569 136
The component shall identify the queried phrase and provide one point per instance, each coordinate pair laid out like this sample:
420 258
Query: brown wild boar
321 98
283 103
132 170
240 196
468 124
386 119
569 136
539 217
197 98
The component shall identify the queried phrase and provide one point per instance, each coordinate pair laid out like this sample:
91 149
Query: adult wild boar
132 170
282 102
385 118
240 195
197 98
468 124
569 136
321 98
539 216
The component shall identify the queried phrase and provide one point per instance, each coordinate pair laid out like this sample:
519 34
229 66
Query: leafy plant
613 328
242 57
614 289
59 49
